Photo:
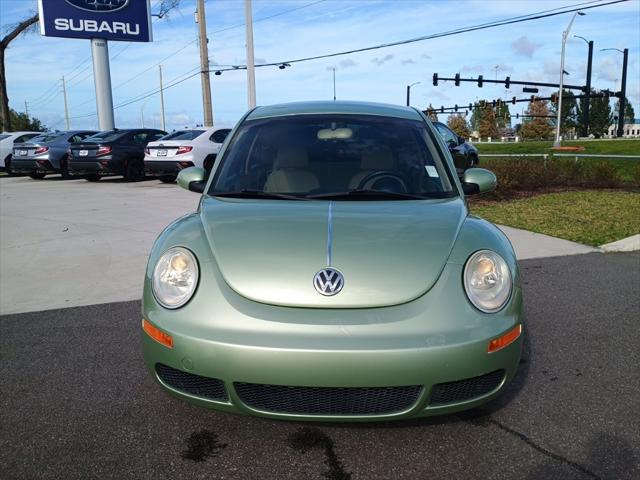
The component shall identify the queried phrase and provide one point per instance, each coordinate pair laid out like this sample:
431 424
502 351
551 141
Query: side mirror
478 180
461 140
193 179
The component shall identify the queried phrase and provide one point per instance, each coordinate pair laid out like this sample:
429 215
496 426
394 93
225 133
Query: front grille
327 400
209 388
467 389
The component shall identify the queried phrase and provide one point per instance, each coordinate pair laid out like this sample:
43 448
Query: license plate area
162 153
83 153
22 153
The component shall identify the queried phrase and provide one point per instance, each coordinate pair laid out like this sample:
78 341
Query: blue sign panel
124 20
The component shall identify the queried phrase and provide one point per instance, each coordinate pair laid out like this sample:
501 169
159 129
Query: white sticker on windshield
431 171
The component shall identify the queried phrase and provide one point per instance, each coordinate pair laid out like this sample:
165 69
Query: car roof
339 107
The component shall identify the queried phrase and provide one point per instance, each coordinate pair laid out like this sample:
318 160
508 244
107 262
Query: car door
458 152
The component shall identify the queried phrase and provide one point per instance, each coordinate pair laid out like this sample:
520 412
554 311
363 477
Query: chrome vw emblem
328 282
99 5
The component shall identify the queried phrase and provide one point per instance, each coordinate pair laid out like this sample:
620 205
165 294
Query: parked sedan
46 153
7 139
182 149
333 271
464 154
116 152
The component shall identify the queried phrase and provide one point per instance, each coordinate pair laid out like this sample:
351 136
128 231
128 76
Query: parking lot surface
78 403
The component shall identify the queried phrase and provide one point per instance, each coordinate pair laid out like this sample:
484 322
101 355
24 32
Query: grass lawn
591 217
600 147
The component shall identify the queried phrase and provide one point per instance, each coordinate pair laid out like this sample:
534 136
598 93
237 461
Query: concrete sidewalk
72 243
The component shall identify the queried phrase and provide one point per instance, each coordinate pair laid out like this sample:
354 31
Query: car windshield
342 157
45 138
183 135
105 136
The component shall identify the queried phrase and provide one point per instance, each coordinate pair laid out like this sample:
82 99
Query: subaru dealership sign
125 20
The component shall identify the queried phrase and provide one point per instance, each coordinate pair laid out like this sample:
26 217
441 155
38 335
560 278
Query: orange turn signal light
505 340
157 334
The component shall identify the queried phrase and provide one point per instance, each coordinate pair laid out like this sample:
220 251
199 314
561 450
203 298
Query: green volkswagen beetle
333 272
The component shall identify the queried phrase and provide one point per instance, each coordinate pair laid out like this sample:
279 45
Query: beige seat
374 159
290 173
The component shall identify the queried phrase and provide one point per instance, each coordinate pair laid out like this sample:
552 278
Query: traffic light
493 103
435 79
441 109
470 106
513 100
507 82
498 102
455 108
480 80
457 80
554 98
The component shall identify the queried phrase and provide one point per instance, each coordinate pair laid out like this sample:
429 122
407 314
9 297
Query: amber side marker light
157 334
505 340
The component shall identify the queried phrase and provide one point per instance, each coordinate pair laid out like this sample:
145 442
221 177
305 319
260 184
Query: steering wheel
389 177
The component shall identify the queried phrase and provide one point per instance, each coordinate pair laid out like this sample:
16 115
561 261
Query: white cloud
524 46
383 60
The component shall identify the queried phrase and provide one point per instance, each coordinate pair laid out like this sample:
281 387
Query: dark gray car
465 155
46 153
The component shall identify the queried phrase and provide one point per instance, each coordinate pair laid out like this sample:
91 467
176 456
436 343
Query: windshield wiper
247 193
373 194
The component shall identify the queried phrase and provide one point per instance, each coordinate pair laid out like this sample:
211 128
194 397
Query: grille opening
327 400
467 389
196 385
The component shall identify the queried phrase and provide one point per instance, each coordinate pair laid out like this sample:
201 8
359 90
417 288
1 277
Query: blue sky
527 51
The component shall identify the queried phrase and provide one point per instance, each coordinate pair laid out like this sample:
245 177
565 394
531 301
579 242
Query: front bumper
436 339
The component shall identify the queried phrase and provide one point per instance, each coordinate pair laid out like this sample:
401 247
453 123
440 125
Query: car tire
64 167
208 162
7 165
167 178
37 175
92 178
135 171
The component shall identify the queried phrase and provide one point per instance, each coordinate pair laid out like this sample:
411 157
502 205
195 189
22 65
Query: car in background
46 153
115 152
185 148
465 155
7 139
333 271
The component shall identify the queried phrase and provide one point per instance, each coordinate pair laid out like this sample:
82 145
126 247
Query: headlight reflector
487 281
175 277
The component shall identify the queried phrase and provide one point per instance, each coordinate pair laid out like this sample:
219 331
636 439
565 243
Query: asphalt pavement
78 403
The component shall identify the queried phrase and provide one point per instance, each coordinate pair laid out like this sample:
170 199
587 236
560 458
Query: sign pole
102 80
204 66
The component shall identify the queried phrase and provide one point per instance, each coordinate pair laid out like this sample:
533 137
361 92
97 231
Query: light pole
409 92
565 34
623 89
251 72
334 83
587 99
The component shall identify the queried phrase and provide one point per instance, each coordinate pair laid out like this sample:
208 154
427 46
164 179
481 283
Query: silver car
46 153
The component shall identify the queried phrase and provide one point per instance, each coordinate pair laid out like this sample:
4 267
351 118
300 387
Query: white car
197 147
7 139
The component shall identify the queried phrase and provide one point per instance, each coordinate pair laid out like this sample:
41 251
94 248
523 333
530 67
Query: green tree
600 116
21 121
459 125
488 125
569 116
476 115
503 116
537 127
629 114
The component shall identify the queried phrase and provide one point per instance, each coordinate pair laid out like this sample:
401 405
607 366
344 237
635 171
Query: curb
629 244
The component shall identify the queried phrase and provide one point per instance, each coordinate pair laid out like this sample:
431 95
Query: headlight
175 277
487 281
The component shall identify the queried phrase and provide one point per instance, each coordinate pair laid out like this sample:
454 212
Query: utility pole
565 34
204 65
26 109
251 71
334 83
161 100
623 93
66 107
587 100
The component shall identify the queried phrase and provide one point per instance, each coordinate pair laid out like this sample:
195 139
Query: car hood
390 252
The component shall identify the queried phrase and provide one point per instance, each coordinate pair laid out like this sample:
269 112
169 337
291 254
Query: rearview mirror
478 180
193 179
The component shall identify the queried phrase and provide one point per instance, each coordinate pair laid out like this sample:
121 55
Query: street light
623 89
565 34
409 92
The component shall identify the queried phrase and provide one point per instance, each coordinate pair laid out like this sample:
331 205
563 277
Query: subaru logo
99 5
328 282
